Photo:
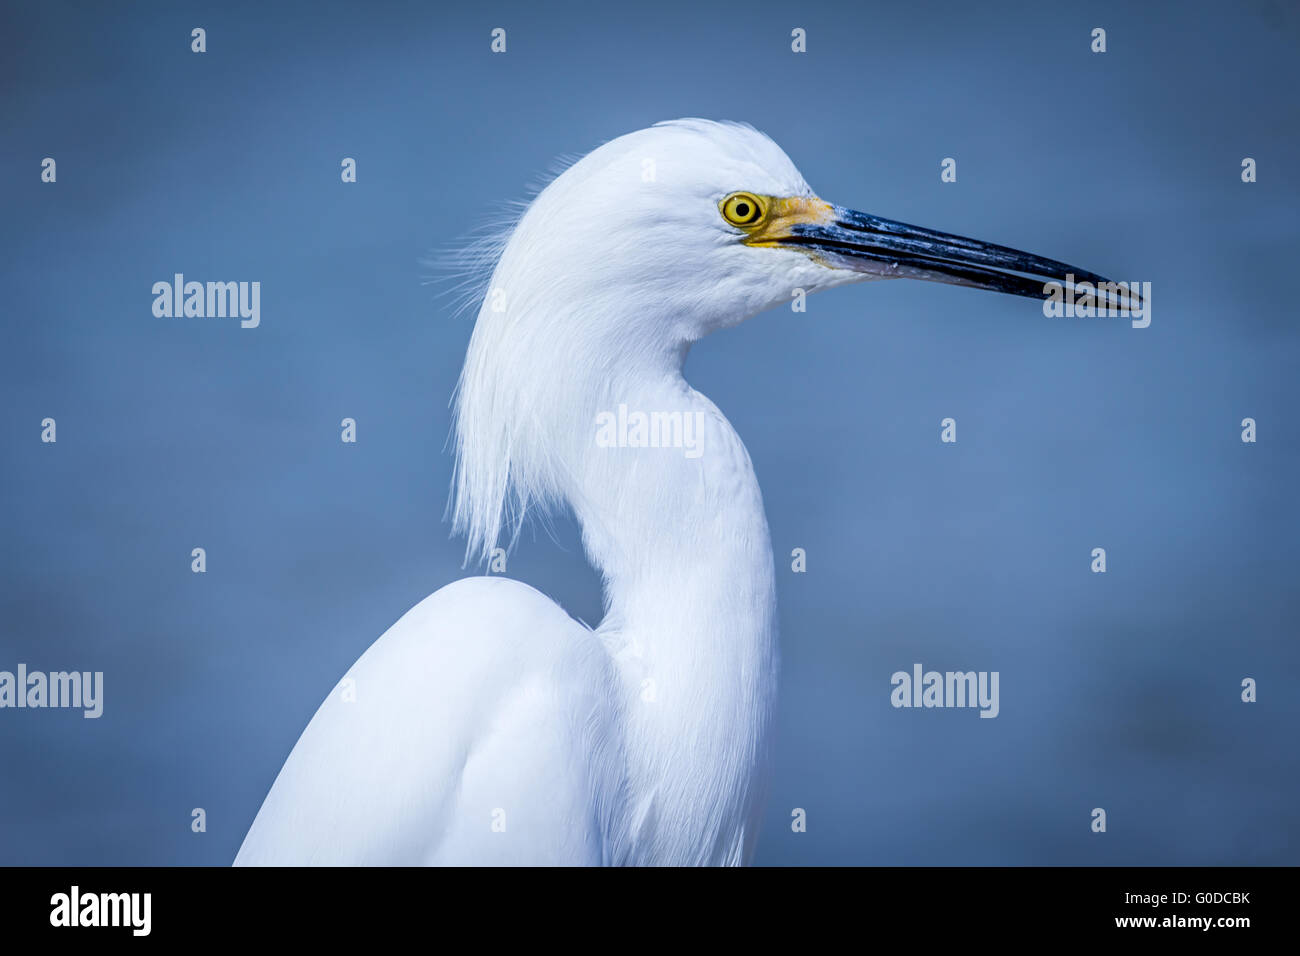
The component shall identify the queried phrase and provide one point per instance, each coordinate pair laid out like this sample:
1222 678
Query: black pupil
742 210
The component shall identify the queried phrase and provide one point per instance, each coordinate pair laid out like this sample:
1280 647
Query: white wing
481 732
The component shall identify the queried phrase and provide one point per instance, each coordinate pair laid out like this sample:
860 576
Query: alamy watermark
76 689
625 429
129 910
1087 300
922 688
210 300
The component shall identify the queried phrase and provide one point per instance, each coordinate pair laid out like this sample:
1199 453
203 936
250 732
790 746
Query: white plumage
490 727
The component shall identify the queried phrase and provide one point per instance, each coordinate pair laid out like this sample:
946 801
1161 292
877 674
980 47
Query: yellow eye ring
743 209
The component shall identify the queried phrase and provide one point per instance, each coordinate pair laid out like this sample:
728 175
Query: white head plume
614 269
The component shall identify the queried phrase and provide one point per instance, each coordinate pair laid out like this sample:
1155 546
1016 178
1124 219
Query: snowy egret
489 727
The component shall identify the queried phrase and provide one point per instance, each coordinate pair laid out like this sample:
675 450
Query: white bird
487 726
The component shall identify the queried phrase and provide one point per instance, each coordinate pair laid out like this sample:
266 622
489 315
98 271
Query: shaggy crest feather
517 415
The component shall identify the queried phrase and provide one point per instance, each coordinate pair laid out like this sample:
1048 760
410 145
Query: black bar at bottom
332 906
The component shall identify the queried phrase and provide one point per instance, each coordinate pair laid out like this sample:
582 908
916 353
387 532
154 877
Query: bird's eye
742 209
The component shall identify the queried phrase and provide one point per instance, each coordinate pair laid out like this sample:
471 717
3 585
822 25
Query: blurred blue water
1118 690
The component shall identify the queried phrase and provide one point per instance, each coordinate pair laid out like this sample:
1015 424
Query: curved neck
581 406
672 516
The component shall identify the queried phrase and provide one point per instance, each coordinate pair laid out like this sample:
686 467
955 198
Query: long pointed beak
848 239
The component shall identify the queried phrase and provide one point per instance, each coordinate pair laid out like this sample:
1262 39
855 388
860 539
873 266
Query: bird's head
694 225
639 249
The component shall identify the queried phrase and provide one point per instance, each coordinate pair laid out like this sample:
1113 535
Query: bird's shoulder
437 727
480 618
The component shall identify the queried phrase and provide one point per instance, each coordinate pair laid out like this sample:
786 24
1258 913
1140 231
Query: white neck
681 541
683 545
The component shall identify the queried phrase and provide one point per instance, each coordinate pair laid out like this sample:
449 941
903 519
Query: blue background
1118 690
